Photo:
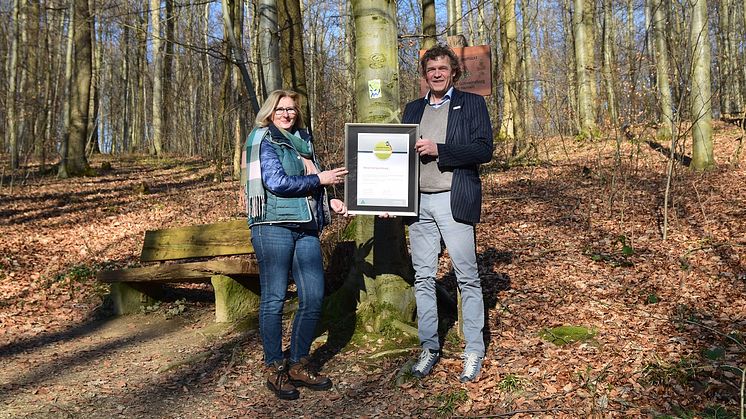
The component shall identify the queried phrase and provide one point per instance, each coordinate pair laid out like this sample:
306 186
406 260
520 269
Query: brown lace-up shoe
301 374
278 381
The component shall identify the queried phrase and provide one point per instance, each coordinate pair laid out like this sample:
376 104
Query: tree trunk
429 38
210 124
138 99
239 111
168 71
223 128
608 54
11 129
24 67
155 30
380 256
52 79
481 24
589 20
126 87
569 53
61 170
292 59
585 102
629 46
74 160
511 127
527 91
93 108
730 79
269 41
701 97
92 146
458 19
677 41
451 16
39 77
665 105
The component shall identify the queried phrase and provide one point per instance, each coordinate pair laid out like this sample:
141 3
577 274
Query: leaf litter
574 240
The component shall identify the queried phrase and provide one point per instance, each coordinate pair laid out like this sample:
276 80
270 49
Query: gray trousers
435 221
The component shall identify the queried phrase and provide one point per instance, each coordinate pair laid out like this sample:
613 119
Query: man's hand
425 147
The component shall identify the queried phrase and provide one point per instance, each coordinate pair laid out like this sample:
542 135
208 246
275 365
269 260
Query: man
456 137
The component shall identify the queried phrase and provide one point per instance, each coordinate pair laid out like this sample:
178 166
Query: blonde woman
287 208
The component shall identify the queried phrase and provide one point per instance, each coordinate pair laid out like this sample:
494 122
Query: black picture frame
378 181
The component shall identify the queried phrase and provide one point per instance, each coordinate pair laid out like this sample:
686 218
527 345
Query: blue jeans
279 250
434 222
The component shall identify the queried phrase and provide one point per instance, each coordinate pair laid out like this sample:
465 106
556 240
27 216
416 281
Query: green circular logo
382 150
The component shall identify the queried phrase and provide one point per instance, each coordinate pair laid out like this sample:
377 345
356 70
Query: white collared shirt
446 99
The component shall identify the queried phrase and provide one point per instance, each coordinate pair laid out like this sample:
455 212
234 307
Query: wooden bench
222 249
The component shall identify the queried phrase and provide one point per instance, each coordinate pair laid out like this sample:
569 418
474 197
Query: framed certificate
384 169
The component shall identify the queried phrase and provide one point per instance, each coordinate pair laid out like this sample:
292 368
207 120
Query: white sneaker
426 362
472 366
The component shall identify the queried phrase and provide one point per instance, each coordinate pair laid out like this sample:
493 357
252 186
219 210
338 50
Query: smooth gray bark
585 103
74 160
157 109
11 129
701 96
665 104
269 42
429 38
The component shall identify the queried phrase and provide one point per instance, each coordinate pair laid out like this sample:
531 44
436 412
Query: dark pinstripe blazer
468 144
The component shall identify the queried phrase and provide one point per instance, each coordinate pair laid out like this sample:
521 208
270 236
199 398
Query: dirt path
106 368
185 366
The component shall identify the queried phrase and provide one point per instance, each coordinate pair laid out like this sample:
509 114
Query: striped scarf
251 174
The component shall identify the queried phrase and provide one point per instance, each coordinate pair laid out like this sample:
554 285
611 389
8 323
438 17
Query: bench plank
207 240
183 272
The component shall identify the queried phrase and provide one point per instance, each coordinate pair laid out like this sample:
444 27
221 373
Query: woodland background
614 202
159 76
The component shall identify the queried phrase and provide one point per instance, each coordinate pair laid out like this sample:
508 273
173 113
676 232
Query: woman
287 207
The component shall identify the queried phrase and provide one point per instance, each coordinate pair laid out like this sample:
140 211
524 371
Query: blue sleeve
277 181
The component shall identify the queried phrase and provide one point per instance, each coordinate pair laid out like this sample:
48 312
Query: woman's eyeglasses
290 111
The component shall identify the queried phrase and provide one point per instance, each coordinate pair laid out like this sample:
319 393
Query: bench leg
235 300
129 298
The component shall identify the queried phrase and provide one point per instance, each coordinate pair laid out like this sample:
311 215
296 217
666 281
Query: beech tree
511 127
608 62
665 104
701 97
429 38
583 79
731 91
292 59
269 42
155 28
11 128
376 281
74 161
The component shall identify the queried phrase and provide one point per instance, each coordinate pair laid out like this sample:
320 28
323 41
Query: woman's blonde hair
264 117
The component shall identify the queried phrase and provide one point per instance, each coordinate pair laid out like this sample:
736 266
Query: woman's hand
339 207
333 176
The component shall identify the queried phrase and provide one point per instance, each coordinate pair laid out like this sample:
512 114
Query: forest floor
574 240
